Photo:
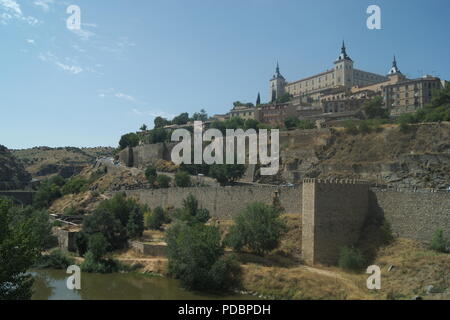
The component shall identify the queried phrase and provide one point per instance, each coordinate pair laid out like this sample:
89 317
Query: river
51 285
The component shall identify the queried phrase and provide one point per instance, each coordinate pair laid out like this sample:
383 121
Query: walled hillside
417 158
42 162
12 172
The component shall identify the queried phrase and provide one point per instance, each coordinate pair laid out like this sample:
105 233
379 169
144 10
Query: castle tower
343 69
395 75
276 85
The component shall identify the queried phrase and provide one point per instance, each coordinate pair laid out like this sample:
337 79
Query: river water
51 285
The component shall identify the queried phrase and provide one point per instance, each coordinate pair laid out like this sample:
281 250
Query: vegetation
438 242
350 259
227 173
374 109
182 179
117 220
150 174
128 140
191 213
163 181
257 229
156 219
295 123
196 257
46 194
75 186
57 259
24 233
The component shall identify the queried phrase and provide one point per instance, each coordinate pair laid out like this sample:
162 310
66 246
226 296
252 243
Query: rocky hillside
12 173
42 162
419 157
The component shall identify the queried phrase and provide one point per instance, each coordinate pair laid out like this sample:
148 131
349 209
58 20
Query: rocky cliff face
12 172
417 158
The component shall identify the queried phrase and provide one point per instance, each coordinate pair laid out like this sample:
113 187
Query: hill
42 162
12 172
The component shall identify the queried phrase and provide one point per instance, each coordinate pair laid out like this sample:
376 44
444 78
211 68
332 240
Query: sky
131 61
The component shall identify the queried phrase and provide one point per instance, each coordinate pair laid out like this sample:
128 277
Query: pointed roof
343 55
277 74
394 69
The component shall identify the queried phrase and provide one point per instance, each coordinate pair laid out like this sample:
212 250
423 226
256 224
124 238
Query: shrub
57 259
91 265
191 213
150 174
128 140
163 181
74 186
196 257
182 179
46 194
350 127
350 259
157 219
97 245
227 173
258 229
438 242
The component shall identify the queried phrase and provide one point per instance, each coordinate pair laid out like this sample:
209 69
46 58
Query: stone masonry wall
222 202
414 215
334 213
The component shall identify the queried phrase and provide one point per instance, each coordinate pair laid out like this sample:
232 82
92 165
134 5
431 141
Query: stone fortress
333 212
338 94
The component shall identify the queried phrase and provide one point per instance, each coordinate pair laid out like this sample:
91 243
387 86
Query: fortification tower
277 85
343 69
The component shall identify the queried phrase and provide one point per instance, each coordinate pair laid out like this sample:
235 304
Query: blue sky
134 60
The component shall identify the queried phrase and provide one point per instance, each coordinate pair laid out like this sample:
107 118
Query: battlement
335 181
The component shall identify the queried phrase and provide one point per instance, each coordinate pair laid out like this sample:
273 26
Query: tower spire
394 68
344 55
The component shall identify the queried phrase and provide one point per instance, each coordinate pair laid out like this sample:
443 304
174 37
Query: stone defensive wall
222 202
415 215
146 154
334 212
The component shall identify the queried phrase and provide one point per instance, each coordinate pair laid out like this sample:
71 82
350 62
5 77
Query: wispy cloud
44 4
30 41
68 64
153 113
113 93
11 10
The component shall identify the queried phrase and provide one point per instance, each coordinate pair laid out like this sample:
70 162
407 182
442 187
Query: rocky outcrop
418 158
12 172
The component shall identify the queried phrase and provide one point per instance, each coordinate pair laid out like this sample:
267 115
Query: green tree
157 219
46 194
19 250
227 173
135 225
374 109
200 116
196 257
150 174
182 179
191 211
98 245
438 242
291 122
128 140
258 228
161 122
143 127
75 186
181 119
163 181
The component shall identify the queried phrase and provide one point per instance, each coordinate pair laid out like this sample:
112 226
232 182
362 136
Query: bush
196 257
227 173
91 265
74 186
128 140
191 213
97 245
351 259
258 229
350 127
57 259
182 179
157 219
438 242
46 194
150 174
163 181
